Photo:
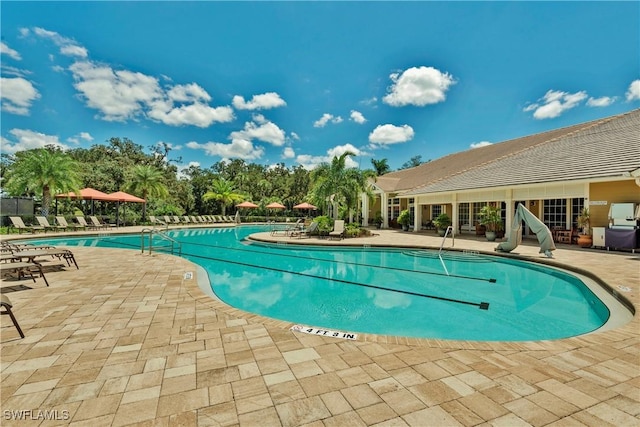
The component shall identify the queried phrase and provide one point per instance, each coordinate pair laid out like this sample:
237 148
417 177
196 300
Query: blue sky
300 82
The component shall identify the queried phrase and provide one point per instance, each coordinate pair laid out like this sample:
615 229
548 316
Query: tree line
123 165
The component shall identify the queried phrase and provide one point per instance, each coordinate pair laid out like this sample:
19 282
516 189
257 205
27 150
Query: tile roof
602 148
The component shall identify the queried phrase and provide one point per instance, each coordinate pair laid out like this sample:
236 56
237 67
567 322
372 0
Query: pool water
390 291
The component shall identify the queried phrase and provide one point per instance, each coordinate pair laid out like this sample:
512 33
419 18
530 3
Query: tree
147 181
42 172
412 163
340 185
381 166
222 191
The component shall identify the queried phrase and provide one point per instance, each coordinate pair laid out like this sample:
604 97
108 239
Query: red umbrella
247 205
275 205
121 196
304 205
88 194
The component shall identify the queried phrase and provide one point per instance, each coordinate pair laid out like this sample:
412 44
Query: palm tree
222 191
147 181
381 166
43 171
339 184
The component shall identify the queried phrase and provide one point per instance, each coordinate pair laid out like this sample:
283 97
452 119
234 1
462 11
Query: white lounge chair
338 229
19 224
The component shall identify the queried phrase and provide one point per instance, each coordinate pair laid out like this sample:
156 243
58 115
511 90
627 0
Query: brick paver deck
129 339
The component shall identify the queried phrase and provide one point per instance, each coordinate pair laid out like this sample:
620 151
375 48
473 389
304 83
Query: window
576 207
476 210
436 210
463 213
554 213
393 210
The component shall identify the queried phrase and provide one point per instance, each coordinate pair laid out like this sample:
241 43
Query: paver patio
129 339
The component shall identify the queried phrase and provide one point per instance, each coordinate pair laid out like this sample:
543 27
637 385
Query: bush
442 221
404 218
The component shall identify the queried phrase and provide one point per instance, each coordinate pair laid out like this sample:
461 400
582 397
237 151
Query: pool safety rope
481 305
456 276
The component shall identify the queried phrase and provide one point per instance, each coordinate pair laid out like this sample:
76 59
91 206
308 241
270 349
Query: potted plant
490 217
585 240
378 220
441 223
404 219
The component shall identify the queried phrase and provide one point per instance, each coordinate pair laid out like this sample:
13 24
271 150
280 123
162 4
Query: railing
173 243
444 238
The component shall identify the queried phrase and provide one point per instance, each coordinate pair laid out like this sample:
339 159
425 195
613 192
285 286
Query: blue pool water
403 292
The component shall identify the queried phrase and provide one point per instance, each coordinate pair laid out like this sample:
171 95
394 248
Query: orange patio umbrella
305 206
123 197
248 205
86 194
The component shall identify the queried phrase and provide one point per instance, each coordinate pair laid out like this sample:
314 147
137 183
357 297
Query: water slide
541 231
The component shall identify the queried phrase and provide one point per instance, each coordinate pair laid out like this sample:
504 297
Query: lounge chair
19 224
176 219
83 222
62 221
21 268
291 228
157 221
167 219
305 231
43 221
186 220
6 304
338 229
97 223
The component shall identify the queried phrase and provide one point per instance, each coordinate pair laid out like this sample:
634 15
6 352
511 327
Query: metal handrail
162 235
444 238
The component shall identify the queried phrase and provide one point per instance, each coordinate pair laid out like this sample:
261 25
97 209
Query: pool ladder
151 232
444 238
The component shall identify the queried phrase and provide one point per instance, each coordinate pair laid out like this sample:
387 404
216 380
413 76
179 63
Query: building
554 174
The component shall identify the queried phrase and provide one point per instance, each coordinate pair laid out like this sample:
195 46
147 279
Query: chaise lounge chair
338 229
306 231
19 224
157 221
6 304
97 223
62 222
43 221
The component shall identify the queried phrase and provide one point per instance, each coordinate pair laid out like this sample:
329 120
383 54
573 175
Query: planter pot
491 235
441 232
585 240
405 228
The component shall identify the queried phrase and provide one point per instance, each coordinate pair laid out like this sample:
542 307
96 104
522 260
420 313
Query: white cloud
259 102
480 144
295 136
262 130
86 136
390 134
326 118
25 139
17 95
633 93
418 86
288 153
554 103
68 47
6 50
357 117
124 95
238 148
603 101
311 162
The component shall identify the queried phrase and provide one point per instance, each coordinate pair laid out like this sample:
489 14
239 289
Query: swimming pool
389 291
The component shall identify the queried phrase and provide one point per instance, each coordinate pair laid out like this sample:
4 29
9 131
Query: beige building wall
612 192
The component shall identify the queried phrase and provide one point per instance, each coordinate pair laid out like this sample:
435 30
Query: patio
130 339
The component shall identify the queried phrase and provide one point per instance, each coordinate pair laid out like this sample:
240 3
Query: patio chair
157 221
19 224
176 219
83 222
6 304
305 231
186 220
21 268
338 229
62 221
97 223
43 221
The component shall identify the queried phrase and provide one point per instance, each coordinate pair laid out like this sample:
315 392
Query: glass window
393 211
554 213
576 207
463 213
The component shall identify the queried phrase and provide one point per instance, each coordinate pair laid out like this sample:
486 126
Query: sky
301 82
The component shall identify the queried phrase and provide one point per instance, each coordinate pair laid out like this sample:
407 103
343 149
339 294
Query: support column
384 201
365 209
